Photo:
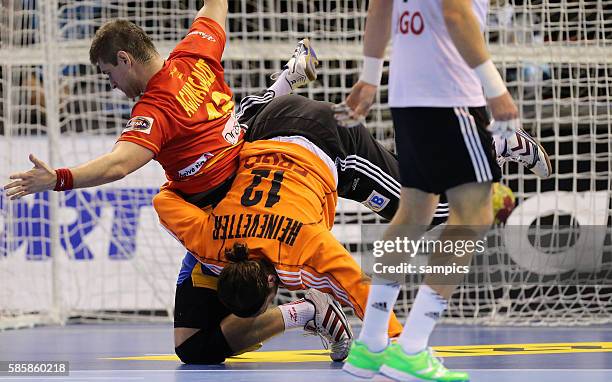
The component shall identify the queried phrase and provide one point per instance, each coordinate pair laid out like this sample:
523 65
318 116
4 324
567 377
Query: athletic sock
297 313
426 310
281 86
382 298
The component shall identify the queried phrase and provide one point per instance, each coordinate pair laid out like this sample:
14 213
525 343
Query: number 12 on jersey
250 197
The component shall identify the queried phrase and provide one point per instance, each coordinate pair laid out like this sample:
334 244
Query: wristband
372 70
64 180
490 79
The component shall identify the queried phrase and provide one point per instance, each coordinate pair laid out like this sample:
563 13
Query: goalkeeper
281 205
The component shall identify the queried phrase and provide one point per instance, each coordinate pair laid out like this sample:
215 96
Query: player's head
118 48
246 286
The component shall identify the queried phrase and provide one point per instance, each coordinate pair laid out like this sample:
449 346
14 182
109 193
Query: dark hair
119 35
243 284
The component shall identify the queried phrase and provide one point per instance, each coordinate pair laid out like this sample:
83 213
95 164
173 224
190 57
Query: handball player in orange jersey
282 205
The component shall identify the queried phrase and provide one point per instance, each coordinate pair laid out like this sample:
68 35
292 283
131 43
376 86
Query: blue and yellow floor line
286 356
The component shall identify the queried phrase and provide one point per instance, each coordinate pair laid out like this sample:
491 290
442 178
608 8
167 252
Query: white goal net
100 253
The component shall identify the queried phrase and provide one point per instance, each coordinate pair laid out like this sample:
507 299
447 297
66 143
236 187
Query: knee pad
204 347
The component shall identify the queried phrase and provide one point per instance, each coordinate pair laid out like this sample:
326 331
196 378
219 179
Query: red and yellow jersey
282 204
186 114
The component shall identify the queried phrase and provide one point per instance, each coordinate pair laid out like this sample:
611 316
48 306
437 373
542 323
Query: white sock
426 310
382 298
281 86
297 313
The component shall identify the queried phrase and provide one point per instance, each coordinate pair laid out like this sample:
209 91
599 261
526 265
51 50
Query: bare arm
375 40
125 158
465 32
378 28
214 9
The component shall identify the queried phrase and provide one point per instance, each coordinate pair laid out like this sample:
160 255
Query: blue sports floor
129 352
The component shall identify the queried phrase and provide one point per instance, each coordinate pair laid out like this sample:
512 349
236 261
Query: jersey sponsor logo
140 124
267 226
376 201
193 168
231 131
203 35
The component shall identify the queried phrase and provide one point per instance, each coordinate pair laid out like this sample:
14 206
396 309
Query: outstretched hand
40 178
361 98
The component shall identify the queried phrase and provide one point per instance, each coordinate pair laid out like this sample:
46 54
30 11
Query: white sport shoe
522 148
301 67
330 323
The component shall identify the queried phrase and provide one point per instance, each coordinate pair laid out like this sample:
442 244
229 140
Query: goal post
100 254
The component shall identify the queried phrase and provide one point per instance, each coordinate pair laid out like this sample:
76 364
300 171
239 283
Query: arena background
99 254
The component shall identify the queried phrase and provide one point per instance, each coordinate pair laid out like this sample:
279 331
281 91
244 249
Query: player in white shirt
439 68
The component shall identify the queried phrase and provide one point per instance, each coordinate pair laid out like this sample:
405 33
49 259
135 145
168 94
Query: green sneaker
361 362
424 365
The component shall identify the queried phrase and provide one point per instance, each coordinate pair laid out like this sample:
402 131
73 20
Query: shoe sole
311 61
400 376
395 374
546 158
358 372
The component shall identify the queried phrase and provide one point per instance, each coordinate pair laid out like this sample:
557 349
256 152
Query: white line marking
297 370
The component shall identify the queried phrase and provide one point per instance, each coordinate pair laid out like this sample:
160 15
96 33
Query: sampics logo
193 168
140 124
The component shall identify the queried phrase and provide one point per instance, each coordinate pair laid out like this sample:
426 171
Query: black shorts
200 308
441 148
196 307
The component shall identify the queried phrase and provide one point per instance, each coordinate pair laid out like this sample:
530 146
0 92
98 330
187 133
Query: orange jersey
186 114
282 204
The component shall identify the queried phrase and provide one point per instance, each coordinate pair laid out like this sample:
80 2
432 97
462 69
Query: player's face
120 75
